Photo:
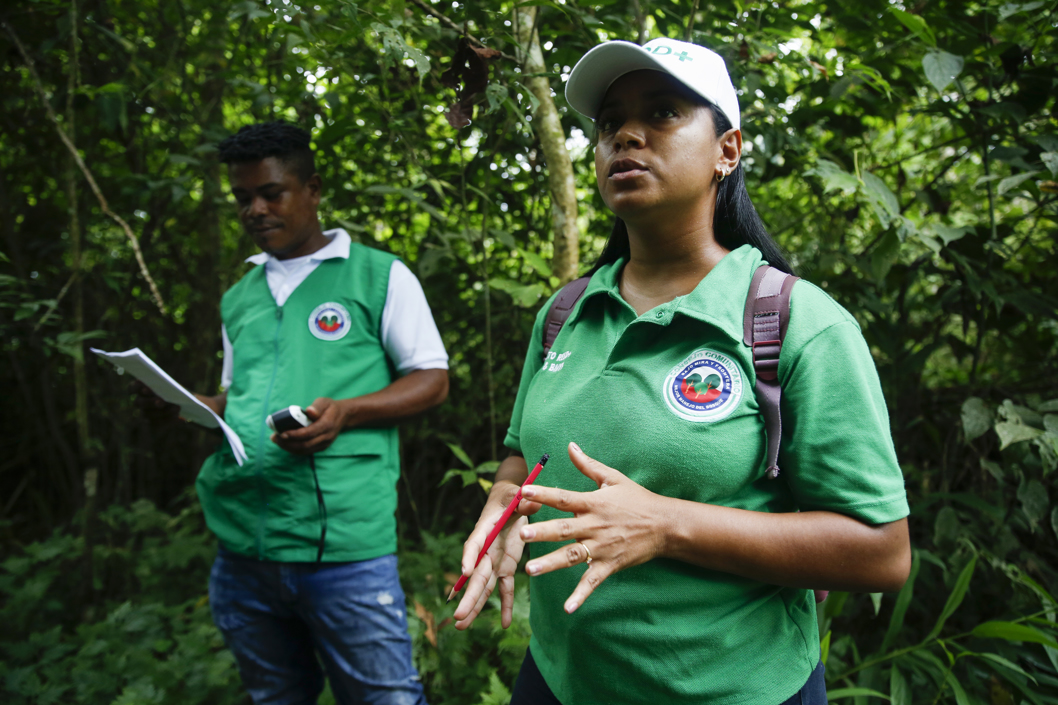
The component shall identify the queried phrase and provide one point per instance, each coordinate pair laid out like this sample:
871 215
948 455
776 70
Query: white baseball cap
698 68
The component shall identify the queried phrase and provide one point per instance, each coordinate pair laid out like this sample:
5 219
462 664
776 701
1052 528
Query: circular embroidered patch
329 321
706 386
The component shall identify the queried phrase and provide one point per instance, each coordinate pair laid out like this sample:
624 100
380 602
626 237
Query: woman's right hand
500 563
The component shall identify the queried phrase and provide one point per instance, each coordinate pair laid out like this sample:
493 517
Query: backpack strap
561 307
764 326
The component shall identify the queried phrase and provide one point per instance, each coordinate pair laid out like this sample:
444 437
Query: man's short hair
287 143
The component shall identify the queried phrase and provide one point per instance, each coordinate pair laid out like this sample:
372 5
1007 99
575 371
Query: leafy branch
133 240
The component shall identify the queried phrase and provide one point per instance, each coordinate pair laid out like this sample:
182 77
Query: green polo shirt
668 399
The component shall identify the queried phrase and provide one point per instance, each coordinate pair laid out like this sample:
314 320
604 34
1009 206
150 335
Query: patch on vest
706 386
329 321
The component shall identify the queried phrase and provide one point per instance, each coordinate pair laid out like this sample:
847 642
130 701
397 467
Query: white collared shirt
409 334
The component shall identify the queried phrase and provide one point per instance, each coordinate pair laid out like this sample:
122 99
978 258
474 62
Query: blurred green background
904 154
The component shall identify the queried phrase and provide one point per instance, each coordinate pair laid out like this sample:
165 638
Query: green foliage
904 154
146 635
974 622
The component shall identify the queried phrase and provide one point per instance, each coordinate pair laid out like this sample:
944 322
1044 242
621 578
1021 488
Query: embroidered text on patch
705 386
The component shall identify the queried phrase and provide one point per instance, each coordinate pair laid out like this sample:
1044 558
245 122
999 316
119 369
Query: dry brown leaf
428 619
768 58
470 68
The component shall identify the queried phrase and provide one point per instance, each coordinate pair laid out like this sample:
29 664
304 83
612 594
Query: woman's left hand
620 525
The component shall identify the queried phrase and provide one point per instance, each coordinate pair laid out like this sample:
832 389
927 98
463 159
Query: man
306 568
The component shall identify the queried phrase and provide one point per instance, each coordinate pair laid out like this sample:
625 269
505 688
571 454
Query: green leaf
533 101
1054 520
994 469
899 691
1012 182
941 68
1011 433
824 648
876 600
1011 631
461 454
871 77
917 25
71 343
855 692
1013 8
395 50
504 237
249 9
1034 500
1008 154
955 599
536 262
495 93
834 177
111 88
995 658
293 40
884 201
957 689
1006 109
523 295
976 418
885 255
950 235
903 601
469 477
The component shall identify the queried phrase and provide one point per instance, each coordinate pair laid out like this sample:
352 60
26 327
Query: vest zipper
262 515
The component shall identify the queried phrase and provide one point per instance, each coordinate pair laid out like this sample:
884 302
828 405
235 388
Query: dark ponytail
735 221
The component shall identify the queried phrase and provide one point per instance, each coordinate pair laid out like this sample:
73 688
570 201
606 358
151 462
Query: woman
665 564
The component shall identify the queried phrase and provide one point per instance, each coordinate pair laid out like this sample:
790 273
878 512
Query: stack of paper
143 368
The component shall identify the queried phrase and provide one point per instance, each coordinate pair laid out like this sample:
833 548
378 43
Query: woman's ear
730 150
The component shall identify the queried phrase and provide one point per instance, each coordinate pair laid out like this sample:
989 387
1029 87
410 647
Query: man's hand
154 408
404 398
329 418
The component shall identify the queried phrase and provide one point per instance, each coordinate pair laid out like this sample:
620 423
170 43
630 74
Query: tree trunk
548 128
90 477
641 22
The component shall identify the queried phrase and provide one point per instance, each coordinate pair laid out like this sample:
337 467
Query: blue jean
277 618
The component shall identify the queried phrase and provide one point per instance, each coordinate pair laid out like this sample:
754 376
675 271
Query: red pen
501 522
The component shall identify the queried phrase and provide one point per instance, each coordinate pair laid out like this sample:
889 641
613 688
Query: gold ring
588 561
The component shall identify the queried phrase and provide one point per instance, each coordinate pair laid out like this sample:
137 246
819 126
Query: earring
721 176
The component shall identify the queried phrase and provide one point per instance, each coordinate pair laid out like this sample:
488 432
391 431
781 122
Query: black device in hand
289 419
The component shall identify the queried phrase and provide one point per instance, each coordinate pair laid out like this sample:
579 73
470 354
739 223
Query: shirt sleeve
227 368
409 334
532 365
837 448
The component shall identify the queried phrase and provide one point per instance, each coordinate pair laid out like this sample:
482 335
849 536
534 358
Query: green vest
325 341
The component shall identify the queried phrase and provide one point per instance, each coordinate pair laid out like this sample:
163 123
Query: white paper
137 364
